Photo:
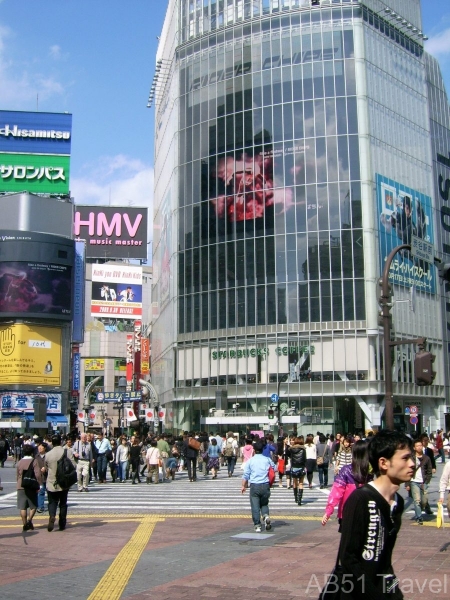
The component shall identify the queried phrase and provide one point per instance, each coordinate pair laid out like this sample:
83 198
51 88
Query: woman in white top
311 458
122 457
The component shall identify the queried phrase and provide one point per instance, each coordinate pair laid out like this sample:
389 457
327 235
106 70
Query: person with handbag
27 490
214 458
323 460
297 455
153 460
135 459
256 474
164 450
191 447
311 458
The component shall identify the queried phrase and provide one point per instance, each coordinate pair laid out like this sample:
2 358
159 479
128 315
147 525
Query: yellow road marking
114 581
139 516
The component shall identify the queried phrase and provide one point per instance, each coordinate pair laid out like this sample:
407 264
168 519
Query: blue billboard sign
78 292
76 372
35 132
405 214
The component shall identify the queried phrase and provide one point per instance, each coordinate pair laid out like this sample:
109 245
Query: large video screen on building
116 291
34 288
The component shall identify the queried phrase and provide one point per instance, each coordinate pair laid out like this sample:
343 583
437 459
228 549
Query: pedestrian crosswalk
222 495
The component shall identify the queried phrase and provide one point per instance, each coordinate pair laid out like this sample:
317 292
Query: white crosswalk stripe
221 495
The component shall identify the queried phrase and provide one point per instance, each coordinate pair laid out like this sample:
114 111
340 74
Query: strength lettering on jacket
375 535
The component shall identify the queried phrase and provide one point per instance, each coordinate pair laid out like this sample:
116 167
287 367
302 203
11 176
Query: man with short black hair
372 519
103 449
256 473
419 482
56 495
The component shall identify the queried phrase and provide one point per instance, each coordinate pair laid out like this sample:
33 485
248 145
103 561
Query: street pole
386 305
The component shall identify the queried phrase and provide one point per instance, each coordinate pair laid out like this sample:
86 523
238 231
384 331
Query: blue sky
95 59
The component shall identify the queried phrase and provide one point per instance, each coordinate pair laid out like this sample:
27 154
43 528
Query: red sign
145 356
129 359
413 410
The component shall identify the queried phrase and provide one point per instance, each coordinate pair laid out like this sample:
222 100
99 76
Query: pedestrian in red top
440 444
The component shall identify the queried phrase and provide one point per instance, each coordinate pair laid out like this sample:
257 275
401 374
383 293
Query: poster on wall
30 354
33 288
116 291
404 213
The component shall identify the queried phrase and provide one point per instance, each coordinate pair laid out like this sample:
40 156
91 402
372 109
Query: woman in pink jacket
348 479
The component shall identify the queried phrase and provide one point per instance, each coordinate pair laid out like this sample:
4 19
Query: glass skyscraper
296 147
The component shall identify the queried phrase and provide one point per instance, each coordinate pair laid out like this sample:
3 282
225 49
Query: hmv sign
112 231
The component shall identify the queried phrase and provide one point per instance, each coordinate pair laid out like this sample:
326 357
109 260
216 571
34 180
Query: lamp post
122 387
86 400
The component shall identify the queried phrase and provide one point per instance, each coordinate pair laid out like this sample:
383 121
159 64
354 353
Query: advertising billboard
40 173
405 213
35 288
24 403
94 364
116 291
30 354
35 132
112 231
79 292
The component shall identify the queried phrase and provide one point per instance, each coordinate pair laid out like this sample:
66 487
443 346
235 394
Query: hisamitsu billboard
112 231
35 132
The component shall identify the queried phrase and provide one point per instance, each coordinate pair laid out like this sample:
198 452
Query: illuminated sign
116 291
30 355
113 232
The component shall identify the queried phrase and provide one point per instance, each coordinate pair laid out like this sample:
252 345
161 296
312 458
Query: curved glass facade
298 136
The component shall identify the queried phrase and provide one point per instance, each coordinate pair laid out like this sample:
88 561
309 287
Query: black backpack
66 474
29 481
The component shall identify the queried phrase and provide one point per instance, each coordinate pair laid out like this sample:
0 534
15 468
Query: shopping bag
440 516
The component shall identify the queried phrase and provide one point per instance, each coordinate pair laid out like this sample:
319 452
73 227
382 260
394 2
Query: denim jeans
231 463
323 473
41 496
441 453
102 463
259 501
419 495
122 470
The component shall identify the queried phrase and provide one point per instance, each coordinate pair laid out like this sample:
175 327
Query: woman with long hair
350 477
297 454
344 454
311 458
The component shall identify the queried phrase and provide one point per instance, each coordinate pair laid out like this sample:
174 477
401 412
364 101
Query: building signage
35 132
79 293
145 356
30 354
34 173
262 352
112 231
94 364
117 396
116 291
76 372
405 213
23 403
129 358
422 250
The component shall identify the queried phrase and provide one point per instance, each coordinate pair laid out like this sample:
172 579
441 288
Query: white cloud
120 181
55 52
20 84
439 44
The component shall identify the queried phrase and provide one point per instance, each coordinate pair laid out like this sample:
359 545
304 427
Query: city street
183 540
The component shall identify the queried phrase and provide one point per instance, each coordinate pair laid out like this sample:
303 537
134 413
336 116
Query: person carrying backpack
230 451
57 489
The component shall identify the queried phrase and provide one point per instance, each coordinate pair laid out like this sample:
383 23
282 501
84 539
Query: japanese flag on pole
129 415
162 414
149 415
80 416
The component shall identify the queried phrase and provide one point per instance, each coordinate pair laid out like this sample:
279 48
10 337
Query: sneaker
267 523
419 521
26 527
51 524
257 528
428 511
40 510
30 525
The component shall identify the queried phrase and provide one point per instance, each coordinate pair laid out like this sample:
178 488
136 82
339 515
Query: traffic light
423 368
271 413
444 271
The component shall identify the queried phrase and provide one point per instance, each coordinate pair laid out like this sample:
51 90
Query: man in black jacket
372 519
420 480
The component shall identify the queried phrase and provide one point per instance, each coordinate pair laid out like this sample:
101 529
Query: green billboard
38 173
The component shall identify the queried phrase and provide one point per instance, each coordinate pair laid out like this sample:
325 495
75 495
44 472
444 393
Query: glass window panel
196 315
232 308
341 110
322 206
339 79
319 114
251 314
321 160
343 158
288 125
303 306
278 123
271 305
318 80
313 256
261 304
222 309
333 205
332 158
297 83
353 144
349 305
347 254
241 310
309 119
287 84
352 115
360 303
300 208
328 73
270 259
314 301
188 314
337 300
346 208
325 293
330 114
356 205
358 253
181 321
324 254
292 303
335 255
302 257
276 86
349 51
298 120
259 266
307 82
281 304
